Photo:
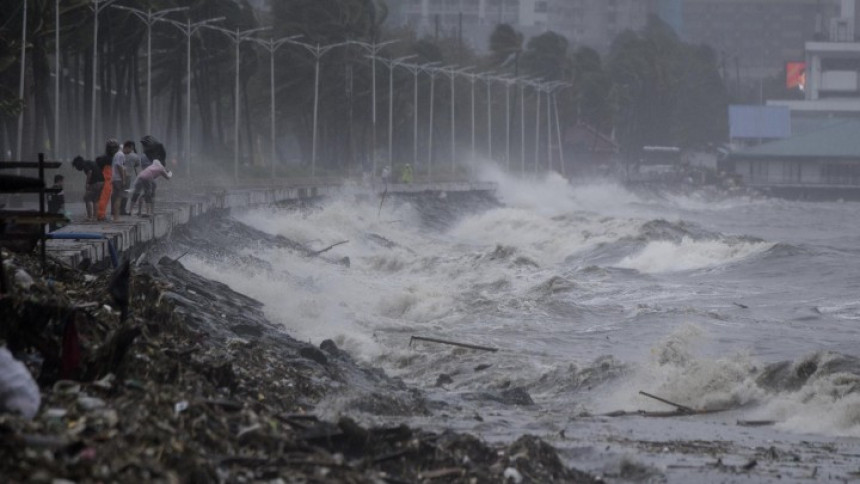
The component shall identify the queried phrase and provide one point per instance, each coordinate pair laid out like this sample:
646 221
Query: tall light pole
97 6
373 49
562 161
415 69
272 46
391 64
472 78
488 79
189 29
57 79
537 87
237 36
452 73
149 18
508 83
522 85
432 72
318 52
21 82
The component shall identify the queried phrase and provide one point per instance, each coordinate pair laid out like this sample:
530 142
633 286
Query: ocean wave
688 254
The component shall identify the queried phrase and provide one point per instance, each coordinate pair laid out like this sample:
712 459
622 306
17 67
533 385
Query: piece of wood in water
756 423
680 407
452 343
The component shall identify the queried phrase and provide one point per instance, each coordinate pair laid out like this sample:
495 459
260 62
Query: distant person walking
92 185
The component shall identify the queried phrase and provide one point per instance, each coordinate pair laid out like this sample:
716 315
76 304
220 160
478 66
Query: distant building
756 38
822 162
594 23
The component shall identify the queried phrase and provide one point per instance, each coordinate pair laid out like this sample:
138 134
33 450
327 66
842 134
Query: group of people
109 178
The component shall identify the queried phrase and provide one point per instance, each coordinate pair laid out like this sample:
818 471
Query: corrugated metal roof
840 140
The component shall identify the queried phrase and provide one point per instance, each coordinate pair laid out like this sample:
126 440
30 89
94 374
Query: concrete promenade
174 208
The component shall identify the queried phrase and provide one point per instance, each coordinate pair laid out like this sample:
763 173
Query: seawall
176 208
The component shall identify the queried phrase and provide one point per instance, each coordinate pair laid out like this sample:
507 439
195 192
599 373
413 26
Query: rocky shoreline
195 385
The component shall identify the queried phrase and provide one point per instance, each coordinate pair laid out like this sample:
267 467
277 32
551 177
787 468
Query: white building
832 69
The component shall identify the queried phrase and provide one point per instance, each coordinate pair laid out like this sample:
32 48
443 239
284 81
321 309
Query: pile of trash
156 374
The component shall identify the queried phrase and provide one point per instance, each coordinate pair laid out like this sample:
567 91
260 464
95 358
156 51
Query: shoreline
198 386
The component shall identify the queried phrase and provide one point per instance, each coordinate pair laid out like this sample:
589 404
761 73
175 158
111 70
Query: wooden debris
332 246
452 343
680 407
756 423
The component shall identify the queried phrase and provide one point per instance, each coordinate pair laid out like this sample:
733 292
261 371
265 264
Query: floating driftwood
452 343
680 410
332 246
756 423
680 407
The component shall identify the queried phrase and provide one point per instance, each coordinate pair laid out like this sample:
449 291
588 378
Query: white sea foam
689 254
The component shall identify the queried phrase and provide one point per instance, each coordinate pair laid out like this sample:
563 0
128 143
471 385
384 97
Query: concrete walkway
173 209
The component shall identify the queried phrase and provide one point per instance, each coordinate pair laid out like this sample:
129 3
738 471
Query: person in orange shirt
104 163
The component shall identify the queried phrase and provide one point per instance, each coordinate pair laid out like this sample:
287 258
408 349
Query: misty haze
429 241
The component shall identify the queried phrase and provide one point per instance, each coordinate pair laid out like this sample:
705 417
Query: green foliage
546 57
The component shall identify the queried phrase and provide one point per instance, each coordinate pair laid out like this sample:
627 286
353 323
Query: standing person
92 186
105 164
57 201
118 183
145 185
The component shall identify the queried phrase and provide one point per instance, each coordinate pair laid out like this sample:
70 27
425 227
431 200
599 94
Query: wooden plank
31 217
29 164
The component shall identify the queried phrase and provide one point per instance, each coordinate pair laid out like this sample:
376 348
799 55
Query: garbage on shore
190 383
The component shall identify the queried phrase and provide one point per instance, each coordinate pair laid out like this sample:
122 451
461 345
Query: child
92 186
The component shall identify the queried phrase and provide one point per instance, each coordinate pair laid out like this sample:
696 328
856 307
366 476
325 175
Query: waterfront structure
825 161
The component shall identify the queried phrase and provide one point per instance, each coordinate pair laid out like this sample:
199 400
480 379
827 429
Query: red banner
795 75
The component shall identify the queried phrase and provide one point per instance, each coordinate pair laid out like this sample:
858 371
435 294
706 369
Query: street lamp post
558 130
452 73
472 78
522 86
149 18
237 37
373 48
21 82
487 78
318 52
508 82
537 87
391 64
415 69
432 72
97 6
189 29
272 46
57 79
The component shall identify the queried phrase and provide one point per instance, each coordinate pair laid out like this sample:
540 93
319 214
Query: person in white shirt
118 182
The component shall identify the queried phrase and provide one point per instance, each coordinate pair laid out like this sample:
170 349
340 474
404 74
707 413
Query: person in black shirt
57 201
94 182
